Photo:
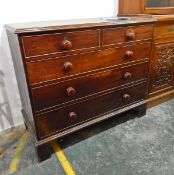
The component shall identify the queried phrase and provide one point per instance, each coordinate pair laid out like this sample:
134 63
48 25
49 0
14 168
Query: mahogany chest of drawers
74 75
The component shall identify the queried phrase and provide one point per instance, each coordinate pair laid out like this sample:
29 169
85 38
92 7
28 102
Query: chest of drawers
72 76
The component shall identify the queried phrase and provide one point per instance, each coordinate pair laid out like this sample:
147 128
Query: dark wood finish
56 94
88 110
60 42
141 110
117 35
43 152
45 27
52 69
72 75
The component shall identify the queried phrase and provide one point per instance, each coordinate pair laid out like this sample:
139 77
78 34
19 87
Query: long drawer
38 45
115 36
66 91
58 120
62 67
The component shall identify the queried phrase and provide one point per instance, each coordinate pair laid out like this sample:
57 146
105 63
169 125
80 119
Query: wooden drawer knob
126 97
72 116
130 34
127 75
68 66
66 45
129 54
70 91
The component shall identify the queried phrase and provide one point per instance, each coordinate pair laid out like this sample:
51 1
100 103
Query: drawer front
114 36
63 118
56 94
164 30
60 42
51 69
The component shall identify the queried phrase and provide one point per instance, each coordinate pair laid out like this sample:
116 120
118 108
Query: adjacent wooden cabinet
161 85
132 7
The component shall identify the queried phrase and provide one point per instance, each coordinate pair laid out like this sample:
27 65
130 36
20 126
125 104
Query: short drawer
66 91
37 45
62 67
115 36
164 30
63 118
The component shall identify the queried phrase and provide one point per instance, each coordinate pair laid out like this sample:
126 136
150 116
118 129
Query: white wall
13 11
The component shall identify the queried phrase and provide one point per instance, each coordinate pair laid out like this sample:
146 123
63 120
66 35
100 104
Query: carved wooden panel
164 65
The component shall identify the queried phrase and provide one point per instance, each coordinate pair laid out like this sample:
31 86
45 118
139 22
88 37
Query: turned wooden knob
68 66
70 91
126 97
127 75
66 45
130 34
129 54
72 116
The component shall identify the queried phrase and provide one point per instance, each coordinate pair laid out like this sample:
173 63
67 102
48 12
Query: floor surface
118 146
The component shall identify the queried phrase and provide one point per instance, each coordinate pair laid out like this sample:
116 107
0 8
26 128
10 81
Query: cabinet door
162 68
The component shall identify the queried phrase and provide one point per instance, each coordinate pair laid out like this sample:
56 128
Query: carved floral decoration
165 65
